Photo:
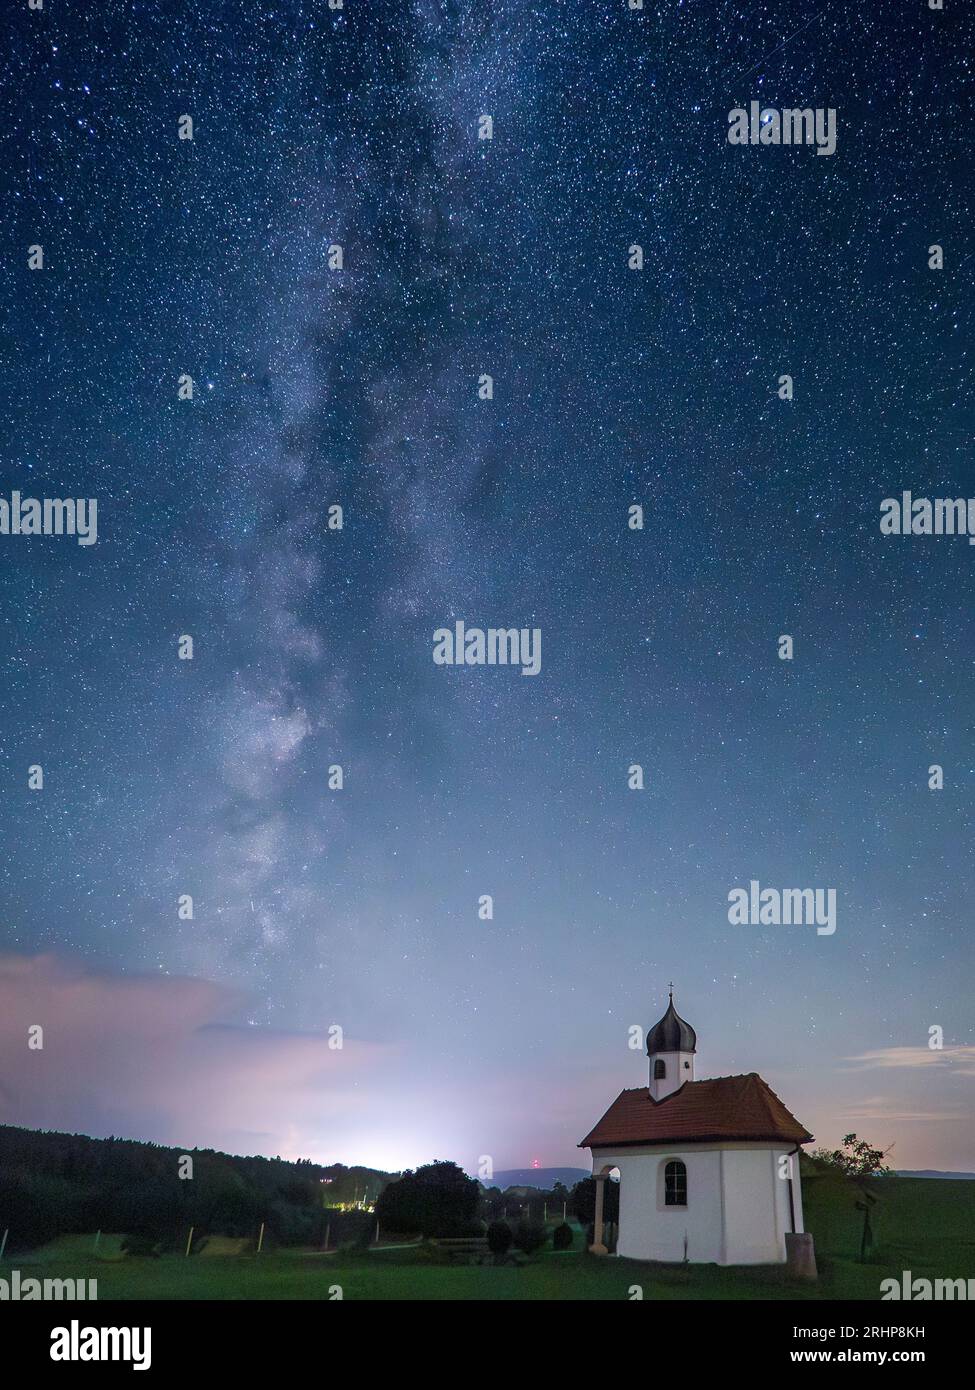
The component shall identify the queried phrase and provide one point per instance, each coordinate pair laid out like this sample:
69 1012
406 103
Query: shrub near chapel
562 1237
499 1238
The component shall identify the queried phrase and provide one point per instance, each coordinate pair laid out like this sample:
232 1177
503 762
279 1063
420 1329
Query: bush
499 1237
530 1236
562 1237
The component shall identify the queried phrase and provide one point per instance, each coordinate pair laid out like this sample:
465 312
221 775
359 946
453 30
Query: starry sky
358 908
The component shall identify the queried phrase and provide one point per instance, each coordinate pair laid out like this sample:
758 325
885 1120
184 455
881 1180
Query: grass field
922 1225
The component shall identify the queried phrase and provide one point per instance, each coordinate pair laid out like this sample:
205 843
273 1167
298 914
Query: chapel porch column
597 1247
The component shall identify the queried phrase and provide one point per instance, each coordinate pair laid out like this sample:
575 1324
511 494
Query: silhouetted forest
55 1184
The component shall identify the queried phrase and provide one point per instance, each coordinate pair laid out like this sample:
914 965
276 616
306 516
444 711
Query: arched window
675 1184
659 1069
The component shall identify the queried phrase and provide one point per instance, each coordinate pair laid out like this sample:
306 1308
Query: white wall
737 1204
756 1202
651 1231
751 1210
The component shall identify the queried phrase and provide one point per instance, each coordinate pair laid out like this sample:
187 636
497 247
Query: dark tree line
55 1184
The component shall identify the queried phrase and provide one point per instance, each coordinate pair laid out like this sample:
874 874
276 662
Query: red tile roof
727 1107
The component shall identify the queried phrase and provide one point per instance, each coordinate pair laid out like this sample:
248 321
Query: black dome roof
671 1034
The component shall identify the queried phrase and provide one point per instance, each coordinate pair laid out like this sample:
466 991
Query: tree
856 1159
438 1199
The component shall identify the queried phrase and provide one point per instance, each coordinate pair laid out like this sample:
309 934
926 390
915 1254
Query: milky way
358 387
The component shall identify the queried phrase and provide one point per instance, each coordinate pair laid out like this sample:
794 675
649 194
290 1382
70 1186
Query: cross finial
671 988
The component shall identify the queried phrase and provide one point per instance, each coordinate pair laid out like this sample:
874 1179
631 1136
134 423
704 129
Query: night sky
316 907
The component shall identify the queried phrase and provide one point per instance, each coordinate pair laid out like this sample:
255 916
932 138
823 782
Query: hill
542 1178
931 1173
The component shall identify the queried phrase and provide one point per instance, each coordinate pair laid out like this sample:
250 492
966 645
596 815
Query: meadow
925 1226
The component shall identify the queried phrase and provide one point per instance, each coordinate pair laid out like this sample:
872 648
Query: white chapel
709 1170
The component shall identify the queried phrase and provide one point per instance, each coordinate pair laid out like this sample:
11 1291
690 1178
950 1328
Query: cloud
172 1059
959 1060
883 1109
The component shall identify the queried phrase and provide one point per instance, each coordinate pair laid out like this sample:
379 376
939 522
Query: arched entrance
606 1222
